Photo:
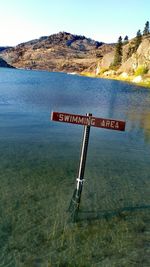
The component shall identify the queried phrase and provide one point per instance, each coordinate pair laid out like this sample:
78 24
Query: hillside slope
135 66
58 52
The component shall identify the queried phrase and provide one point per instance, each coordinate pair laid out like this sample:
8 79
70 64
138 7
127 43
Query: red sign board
88 120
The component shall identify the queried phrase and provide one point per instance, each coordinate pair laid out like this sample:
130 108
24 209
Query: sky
106 20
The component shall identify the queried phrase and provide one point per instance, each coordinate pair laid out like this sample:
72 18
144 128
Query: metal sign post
87 121
76 198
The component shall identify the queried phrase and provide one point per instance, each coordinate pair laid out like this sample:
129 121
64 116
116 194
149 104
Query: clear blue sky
106 20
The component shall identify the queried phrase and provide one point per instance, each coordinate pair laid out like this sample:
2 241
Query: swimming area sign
88 121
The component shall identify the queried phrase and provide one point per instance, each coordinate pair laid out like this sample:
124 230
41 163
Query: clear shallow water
39 158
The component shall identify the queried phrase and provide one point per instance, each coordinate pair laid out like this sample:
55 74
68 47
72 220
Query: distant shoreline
144 83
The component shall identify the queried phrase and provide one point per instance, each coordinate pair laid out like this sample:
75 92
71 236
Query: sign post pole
76 198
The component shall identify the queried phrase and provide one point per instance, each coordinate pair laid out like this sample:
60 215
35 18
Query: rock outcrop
139 58
135 66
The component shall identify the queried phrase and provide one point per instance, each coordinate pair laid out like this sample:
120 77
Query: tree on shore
138 39
118 52
146 28
126 39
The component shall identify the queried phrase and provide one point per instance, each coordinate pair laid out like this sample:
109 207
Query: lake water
28 97
38 154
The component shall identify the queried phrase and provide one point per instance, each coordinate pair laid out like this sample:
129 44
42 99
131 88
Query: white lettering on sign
92 122
60 117
103 123
89 121
81 120
77 119
109 123
112 124
117 125
74 119
66 118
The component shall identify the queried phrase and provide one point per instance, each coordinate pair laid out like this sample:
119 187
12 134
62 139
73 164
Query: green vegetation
138 40
122 54
145 83
141 70
118 53
126 40
146 28
132 49
102 70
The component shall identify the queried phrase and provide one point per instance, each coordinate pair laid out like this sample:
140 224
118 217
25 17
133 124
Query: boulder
137 79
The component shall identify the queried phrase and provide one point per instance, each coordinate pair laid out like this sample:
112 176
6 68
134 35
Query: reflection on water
145 124
141 121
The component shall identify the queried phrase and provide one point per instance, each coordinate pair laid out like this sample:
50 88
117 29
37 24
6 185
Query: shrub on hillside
102 70
141 70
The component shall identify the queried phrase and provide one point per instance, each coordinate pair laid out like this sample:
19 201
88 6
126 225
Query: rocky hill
135 65
133 59
66 52
58 52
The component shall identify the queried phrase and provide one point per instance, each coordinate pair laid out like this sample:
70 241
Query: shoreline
145 82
